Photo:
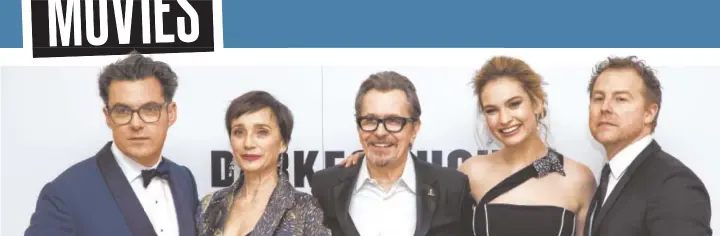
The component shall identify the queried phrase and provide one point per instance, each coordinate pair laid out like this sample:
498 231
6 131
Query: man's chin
380 160
139 154
381 163
605 138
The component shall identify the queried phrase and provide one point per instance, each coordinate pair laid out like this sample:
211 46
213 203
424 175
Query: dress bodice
521 220
500 219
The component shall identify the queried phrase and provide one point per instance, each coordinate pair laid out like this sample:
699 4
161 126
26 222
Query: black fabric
601 189
148 175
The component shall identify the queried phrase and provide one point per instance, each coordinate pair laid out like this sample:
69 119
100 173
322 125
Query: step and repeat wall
52 118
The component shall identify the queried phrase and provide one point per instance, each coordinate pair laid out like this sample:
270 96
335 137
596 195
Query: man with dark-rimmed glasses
127 188
390 191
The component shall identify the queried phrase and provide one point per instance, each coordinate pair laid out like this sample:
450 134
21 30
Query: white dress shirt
376 212
156 199
622 160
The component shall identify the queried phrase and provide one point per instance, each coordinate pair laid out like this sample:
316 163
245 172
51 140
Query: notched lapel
617 190
427 197
427 203
129 205
342 191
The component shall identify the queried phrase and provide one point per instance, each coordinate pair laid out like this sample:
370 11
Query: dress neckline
551 162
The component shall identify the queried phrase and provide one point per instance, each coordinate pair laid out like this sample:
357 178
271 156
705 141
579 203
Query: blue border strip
478 23
11 24
451 23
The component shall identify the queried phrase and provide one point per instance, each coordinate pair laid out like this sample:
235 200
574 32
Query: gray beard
379 162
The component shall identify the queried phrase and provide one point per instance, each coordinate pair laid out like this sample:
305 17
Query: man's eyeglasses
148 113
392 124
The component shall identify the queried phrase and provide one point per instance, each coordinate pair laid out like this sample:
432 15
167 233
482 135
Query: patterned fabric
289 212
548 164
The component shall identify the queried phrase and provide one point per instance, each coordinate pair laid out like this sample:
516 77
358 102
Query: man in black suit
390 191
643 190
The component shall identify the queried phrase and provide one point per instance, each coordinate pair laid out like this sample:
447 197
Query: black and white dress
498 219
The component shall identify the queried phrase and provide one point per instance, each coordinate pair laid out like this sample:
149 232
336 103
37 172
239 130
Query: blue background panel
451 23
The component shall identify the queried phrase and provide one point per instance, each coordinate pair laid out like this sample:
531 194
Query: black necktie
602 189
148 175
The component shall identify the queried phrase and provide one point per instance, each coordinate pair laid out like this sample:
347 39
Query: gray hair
387 81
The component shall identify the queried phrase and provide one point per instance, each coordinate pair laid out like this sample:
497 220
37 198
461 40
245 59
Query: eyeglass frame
379 121
134 111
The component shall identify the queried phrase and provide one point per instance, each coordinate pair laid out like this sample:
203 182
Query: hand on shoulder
350 160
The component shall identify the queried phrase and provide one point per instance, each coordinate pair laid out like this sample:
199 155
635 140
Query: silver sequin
548 164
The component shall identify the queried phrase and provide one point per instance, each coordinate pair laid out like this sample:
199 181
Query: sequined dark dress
496 219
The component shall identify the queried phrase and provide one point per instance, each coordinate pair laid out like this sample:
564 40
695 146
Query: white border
386 57
1 212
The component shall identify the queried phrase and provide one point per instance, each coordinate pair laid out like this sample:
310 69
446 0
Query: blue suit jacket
93 198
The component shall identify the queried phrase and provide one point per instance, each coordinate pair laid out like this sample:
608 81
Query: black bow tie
148 175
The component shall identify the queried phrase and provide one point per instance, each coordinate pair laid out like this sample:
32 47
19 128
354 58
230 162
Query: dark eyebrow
371 115
117 105
262 126
256 126
143 105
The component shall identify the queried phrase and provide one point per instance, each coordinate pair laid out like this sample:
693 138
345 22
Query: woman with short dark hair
261 201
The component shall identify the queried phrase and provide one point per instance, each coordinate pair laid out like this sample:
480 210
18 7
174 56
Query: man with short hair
127 188
390 191
643 190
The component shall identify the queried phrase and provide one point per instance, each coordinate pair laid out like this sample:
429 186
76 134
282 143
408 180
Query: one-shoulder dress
498 219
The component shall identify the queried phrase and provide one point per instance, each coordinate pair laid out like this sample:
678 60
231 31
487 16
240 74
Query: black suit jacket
444 203
657 196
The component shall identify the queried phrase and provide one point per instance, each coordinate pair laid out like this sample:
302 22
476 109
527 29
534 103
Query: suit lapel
342 191
426 197
135 217
617 190
185 219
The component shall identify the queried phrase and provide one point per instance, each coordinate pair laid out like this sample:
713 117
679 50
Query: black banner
147 26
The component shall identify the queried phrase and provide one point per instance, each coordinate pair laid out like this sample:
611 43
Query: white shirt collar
129 167
625 157
407 178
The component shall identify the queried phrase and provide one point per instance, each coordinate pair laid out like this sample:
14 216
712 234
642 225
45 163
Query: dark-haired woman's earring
280 162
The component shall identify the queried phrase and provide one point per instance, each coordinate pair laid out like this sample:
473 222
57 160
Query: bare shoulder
477 164
580 177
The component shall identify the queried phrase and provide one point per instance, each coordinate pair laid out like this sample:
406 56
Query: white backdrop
52 118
